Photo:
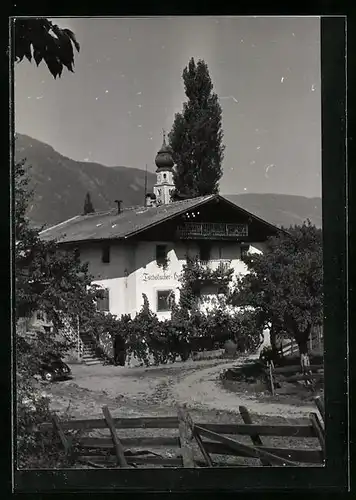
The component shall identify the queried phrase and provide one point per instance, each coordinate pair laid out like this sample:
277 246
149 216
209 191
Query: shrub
151 340
162 341
30 352
248 331
103 328
249 372
35 449
269 354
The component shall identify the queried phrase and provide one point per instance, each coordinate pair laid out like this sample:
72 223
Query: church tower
164 184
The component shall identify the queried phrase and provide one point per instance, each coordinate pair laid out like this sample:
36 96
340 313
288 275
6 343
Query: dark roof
130 221
111 225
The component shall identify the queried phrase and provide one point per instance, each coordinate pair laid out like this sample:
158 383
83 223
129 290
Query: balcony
211 230
213 272
214 264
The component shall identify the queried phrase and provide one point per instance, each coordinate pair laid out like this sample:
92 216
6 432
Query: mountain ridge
60 184
280 209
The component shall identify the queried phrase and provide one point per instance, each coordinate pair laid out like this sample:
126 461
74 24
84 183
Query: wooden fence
290 347
191 439
293 373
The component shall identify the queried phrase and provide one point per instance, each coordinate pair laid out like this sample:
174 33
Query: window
165 300
161 254
103 304
105 255
204 251
164 176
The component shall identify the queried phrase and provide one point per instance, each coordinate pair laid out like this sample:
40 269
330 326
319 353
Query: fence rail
310 374
290 347
195 443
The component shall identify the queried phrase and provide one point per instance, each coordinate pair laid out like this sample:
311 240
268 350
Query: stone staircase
89 356
86 344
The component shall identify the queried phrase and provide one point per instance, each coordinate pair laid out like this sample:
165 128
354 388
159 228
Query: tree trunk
304 355
272 336
302 342
273 339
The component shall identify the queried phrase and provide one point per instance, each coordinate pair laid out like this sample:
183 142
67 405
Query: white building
141 250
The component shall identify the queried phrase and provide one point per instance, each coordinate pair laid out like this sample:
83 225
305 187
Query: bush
269 354
35 449
151 340
30 352
249 372
102 328
240 327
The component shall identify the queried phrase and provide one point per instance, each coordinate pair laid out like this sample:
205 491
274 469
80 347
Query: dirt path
203 389
152 391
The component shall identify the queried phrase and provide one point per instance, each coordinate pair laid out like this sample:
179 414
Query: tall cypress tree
88 205
196 136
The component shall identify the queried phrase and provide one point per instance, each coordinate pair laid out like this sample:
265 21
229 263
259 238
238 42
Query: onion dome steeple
164 186
164 160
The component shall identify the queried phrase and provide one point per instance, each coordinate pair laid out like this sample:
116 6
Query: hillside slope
60 184
281 209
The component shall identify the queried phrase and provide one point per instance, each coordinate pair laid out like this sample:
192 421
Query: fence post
255 438
186 437
271 377
120 455
65 442
195 434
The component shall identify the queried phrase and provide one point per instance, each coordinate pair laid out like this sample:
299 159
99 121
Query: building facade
154 268
142 250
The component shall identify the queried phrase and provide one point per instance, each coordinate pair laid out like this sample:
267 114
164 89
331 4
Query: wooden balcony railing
214 264
210 230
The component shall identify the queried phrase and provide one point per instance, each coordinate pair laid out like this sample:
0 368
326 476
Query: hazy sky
128 84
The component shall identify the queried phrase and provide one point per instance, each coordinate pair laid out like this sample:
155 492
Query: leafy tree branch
40 40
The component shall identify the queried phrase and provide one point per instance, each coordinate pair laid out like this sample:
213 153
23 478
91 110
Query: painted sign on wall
159 277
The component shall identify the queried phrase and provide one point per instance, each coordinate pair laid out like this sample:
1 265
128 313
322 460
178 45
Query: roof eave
90 240
129 235
198 204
